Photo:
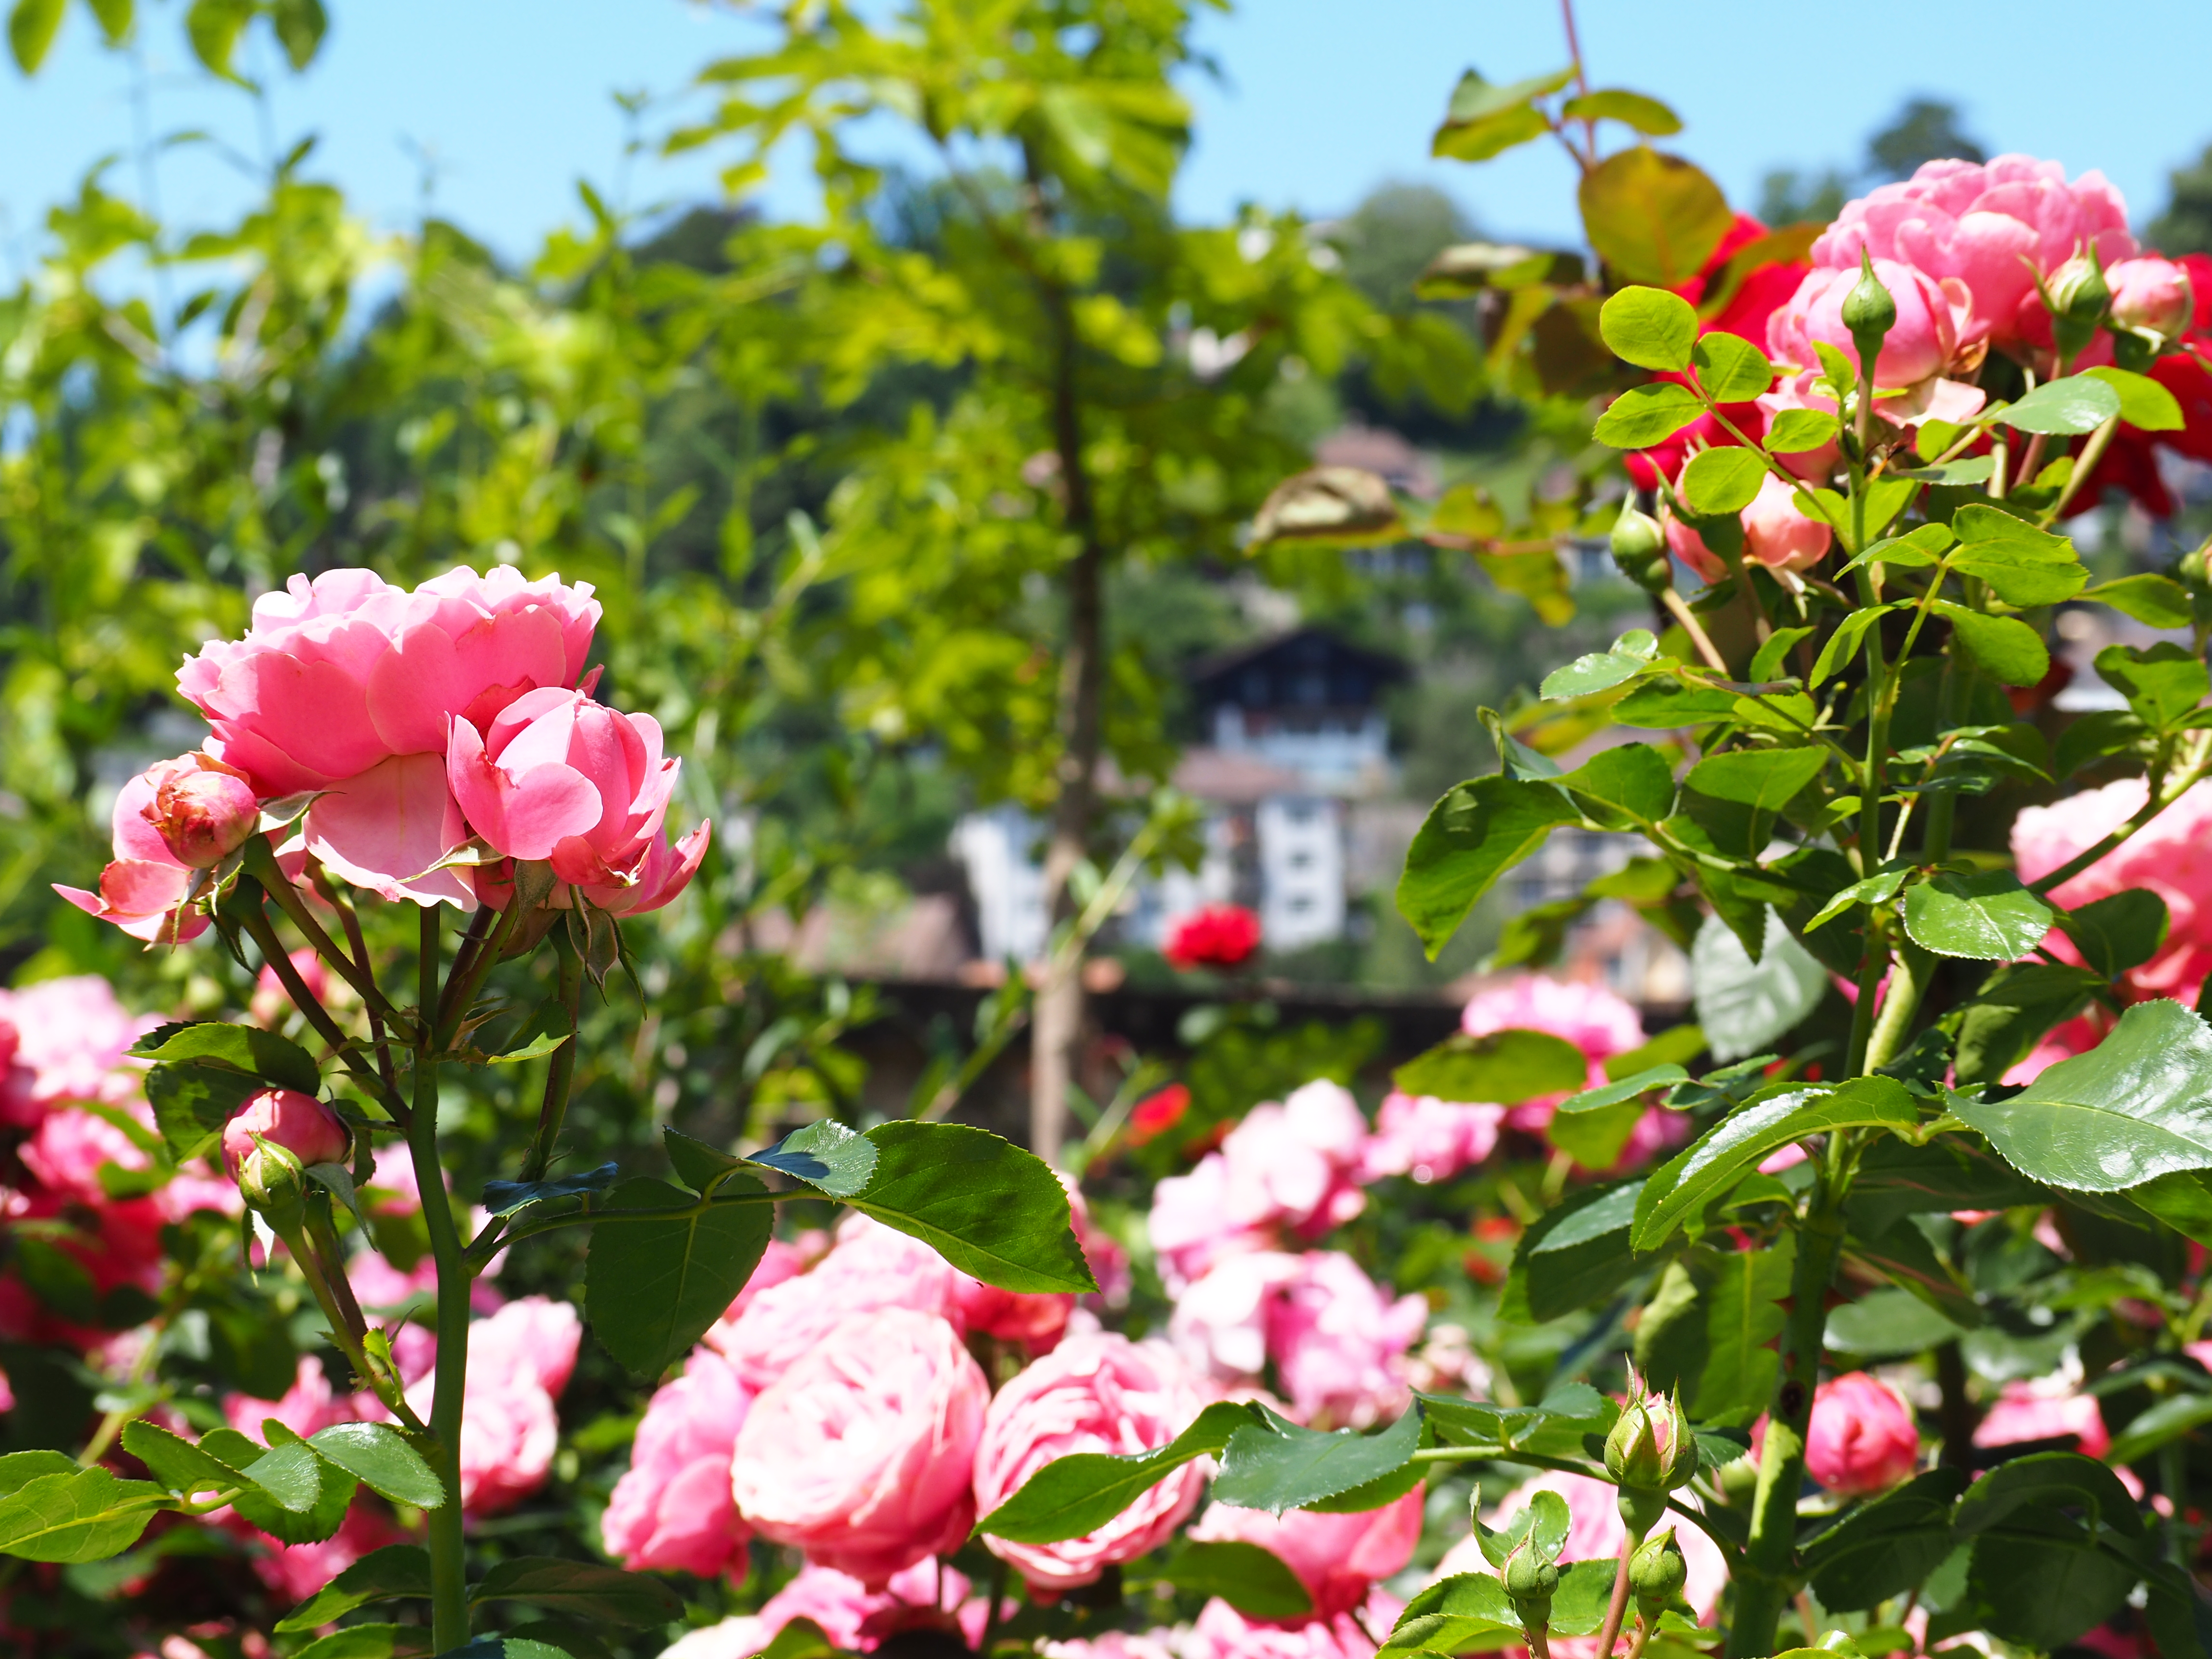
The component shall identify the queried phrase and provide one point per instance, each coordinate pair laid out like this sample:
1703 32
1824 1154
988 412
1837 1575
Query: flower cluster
415 744
1211 936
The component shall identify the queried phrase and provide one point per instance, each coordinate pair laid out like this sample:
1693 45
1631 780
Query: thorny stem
337 900
280 964
261 864
1617 1608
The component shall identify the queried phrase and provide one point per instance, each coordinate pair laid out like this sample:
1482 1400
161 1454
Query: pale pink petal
388 829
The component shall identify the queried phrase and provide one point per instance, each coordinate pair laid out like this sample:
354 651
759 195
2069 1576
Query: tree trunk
1057 1034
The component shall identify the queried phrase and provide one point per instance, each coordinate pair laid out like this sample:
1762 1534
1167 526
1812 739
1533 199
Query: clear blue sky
1319 100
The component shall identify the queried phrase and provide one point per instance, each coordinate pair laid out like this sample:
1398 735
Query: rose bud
1868 312
1651 1447
272 1182
202 810
1639 548
1656 1572
298 1124
1531 1581
2152 297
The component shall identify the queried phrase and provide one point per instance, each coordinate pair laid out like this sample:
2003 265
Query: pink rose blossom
519 1359
1588 1015
673 1509
1222 1632
1427 1139
2152 295
1336 1557
202 810
1920 345
1117 1644
862 1454
1033 1320
2172 856
2044 1409
1991 226
872 1267
68 1040
145 890
1219 1324
739 1637
1092 1394
66 1150
1862 1439
1340 1344
301 1124
857 1618
273 1002
1776 534
296 1571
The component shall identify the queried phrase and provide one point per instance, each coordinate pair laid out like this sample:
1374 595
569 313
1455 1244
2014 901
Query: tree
1113 374
1925 130
2186 227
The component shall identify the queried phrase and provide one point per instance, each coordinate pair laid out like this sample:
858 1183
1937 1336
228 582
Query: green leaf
1585 1589
1795 431
1902 1255
288 1474
2137 1106
2118 932
1631 109
2154 601
1650 328
373 1642
19 1469
2004 647
540 1046
1276 1465
1886 1323
1724 480
1701 1169
1477 832
1914 550
2183 1200
176 1462
1622 1090
114 17
1596 1138
380 1458
1253 1581
2042 1593
1631 653
1844 644
2075 404
993 1210
703 1167
652 1287
506 1197
1732 370
1652 218
1467 1613
334 1495
1646 415
2002 1021
300 26
1764 779
1884 1548
1708 1328
2164 1423
213 27
85 1514
397 1570
824 1154
1989 916
31 29
2162 682
2045 1481
2024 565
1077 1494
192 1102
1575 1254
1484 120
275 1060
2144 404
1744 1005
582 1590
1501 1068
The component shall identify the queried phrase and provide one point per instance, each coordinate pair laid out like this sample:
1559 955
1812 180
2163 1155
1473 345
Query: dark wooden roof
1306 668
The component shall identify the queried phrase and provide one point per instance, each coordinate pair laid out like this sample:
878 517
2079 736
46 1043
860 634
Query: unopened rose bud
1869 312
1639 548
299 1125
202 810
274 1182
2193 573
2078 292
1531 1582
2152 297
1651 1448
1656 1572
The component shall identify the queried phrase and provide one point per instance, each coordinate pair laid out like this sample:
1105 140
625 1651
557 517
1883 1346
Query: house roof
1233 777
1307 667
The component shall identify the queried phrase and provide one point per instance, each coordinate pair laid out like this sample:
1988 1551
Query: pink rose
1336 1557
673 1509
1092 1394
1222 1632
1219 1324
2044 1409
1339 1345
1033 1320
1117 1644
1991 226
66 1150
1427 1139
556 777
296 1571
1920 345
740 1636
2153 296
2172 856
862 1454
69 1038
273 1002
872 1267
1862 1439
202 810
301 1124
1588 1015
856 1618
145 890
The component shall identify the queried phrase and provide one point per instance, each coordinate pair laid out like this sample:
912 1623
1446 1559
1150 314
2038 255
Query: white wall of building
1007 880
1301 848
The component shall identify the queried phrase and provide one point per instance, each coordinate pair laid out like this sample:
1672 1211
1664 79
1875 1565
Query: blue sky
1319 100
